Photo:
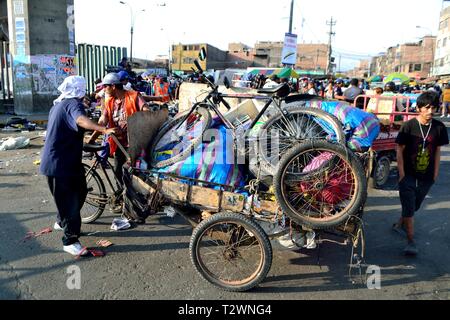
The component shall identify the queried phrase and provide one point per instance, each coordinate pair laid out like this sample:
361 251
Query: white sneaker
57 227
443 116
76 249
448 116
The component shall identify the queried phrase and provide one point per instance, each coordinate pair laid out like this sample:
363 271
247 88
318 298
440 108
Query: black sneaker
411 250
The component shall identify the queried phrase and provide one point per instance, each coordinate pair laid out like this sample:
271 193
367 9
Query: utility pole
291 19
340 63
331 23
317 59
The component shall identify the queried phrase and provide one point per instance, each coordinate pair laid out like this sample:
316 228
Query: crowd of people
349 89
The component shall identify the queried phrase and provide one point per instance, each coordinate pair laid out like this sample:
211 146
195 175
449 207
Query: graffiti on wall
49 72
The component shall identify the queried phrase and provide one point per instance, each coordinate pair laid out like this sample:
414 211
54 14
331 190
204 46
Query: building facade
412 59
361 71
312 57
184 55
442 57
267 54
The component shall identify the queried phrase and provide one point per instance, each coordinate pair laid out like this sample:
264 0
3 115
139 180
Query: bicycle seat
93 148
282 90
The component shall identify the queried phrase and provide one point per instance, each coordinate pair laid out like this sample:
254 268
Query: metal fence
5 86
93 61
6 89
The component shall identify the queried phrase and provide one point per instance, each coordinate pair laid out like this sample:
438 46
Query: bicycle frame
98 163
214 99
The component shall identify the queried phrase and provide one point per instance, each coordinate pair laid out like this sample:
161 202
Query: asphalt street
152 261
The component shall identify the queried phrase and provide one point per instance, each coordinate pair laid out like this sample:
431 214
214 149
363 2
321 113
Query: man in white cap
119 106
61 159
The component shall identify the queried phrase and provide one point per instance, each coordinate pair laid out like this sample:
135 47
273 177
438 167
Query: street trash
120 224
104 243
311 240
14 143
37 162
170 212
31 234
20 124
296 240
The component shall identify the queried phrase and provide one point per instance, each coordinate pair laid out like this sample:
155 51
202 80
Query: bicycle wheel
320 184
96 198
231 252
172 146
381 172
277 135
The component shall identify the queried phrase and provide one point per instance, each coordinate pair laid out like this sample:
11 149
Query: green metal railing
94 59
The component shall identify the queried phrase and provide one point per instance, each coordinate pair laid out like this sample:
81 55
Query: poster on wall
49 72
20 28
289 53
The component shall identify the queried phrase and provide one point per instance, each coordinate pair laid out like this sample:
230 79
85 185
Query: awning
288 73
265 72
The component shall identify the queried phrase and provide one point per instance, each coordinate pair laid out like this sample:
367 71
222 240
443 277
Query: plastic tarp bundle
14 143
361 128
210 161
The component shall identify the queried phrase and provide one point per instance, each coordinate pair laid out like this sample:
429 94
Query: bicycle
98 197
292 122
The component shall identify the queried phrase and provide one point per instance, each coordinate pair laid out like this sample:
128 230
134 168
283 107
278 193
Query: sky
363 28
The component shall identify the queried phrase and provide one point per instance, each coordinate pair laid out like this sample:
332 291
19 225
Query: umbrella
398 78
376 79
288 73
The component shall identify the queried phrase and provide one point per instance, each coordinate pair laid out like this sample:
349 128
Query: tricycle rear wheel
231 252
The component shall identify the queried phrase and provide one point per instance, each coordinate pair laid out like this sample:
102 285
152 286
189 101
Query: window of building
197 47
444 42
418 67
185 48
443 24
188 60
174 48
411 67
439 43
174 60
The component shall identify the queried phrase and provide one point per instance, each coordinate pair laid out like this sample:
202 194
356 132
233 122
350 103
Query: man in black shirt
418 156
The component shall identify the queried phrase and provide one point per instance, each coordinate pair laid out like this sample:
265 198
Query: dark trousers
69 194
119 161
412 194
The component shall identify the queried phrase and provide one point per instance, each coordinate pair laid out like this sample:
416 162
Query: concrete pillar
42 46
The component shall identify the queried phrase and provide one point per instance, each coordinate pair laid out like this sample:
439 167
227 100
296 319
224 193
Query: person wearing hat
338 93
119 105
61 160
124 79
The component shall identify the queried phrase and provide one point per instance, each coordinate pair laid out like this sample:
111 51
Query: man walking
62 159
418 156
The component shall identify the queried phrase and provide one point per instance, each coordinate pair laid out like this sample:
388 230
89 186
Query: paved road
152 261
